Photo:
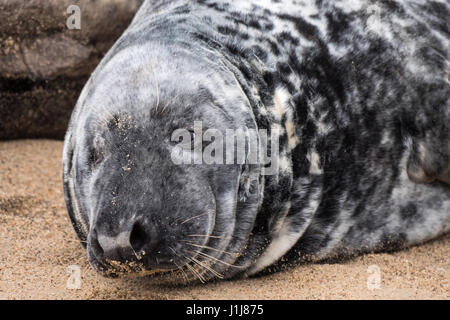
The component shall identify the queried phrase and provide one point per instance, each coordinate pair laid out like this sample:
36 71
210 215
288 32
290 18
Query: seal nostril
139 238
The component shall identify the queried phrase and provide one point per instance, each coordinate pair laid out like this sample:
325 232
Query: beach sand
40 254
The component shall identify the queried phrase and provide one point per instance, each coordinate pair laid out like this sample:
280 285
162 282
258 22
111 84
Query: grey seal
355 93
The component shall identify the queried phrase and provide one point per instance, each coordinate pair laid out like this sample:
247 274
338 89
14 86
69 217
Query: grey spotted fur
359 90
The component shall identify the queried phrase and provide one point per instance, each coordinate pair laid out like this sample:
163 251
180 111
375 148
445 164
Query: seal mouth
110 268
116 269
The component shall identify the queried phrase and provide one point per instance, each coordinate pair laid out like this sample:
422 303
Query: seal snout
127 247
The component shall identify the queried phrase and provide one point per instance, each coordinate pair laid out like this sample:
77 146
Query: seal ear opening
77 217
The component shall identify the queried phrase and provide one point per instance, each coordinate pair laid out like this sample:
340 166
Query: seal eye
96 157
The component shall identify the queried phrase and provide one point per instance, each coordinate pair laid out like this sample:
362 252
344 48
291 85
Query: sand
40 255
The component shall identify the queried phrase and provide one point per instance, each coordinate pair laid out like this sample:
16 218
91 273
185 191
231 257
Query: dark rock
44 64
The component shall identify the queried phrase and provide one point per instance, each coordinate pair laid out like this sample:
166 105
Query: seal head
135 201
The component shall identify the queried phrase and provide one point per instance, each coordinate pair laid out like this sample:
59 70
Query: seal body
355 93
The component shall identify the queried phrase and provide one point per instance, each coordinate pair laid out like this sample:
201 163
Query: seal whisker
199 263
183 272
210 248
195 272
191 218
157 90
206 259
101 122
107 114
169 103
216 259
137 256
178 266
217 274
208 236
190 268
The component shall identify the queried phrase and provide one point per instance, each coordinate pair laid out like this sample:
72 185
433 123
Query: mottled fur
359 90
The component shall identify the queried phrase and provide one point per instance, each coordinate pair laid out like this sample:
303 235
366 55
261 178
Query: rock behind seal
44 64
